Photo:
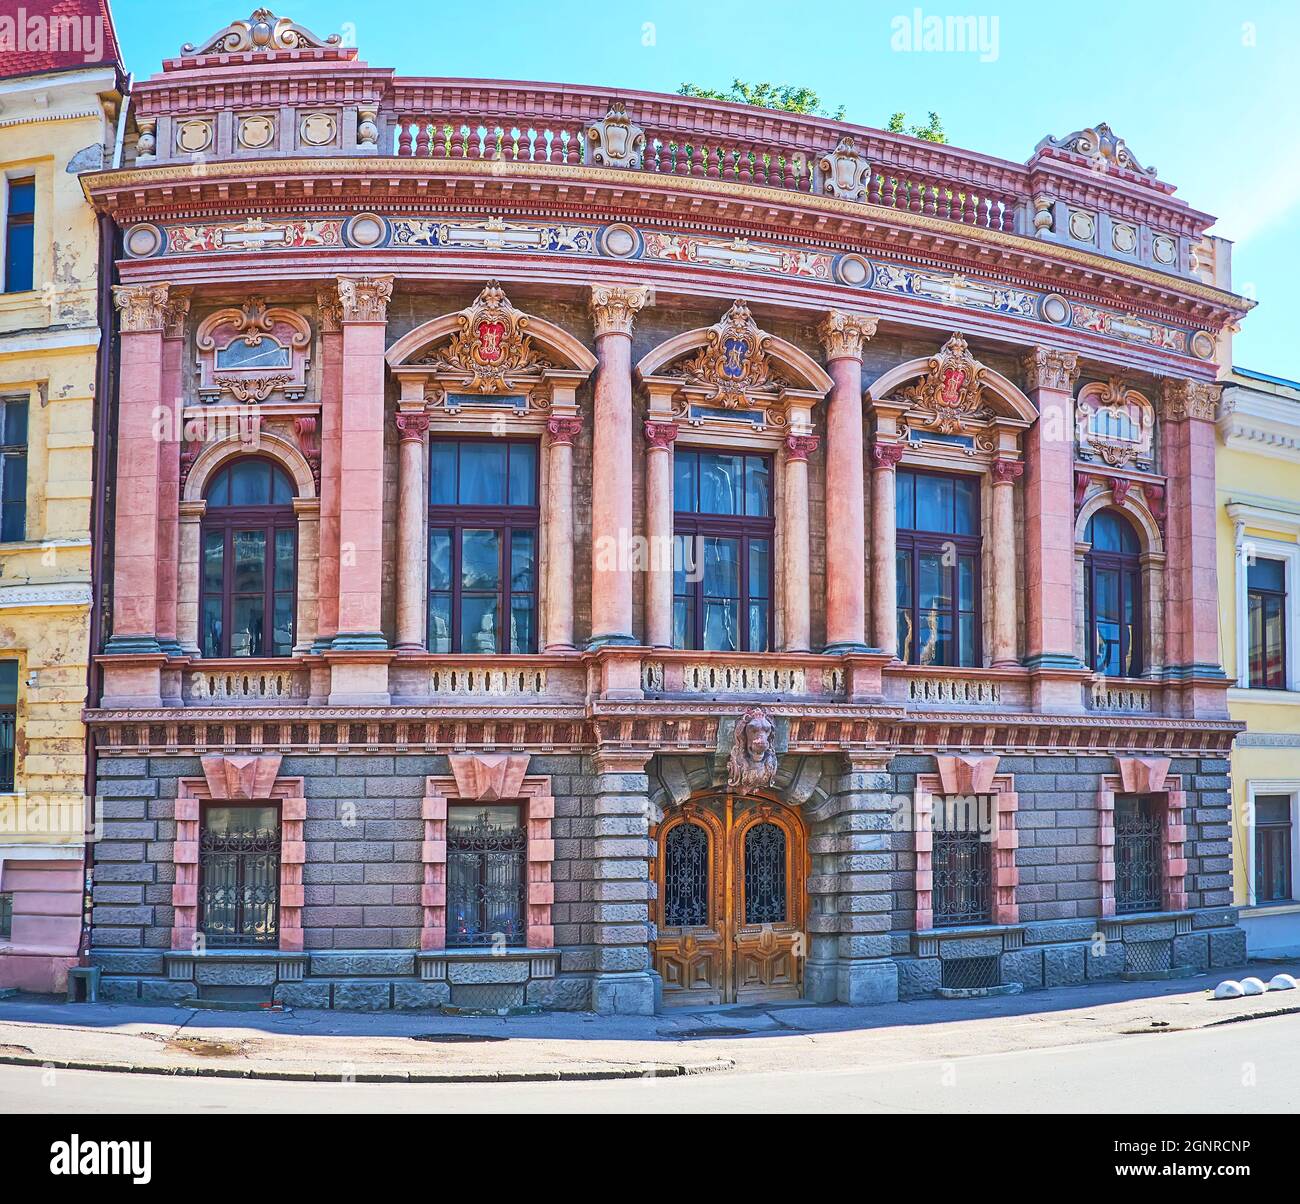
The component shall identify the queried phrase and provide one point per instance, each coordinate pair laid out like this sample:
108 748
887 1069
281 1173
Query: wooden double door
731 874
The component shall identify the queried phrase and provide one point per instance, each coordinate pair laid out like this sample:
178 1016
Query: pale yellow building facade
1258 471
52 126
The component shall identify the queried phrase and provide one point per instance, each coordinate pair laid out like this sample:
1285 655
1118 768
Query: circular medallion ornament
1056 309
1123 238
366 230
194 136
318 129
1083 226
853 270
1202 345
256 132
142 241
1164 249
618 240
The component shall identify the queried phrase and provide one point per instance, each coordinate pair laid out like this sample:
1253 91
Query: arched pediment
1117 494
216 455
491 346
953 389
735 357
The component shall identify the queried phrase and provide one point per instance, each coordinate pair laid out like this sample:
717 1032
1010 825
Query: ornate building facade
61 97
612 550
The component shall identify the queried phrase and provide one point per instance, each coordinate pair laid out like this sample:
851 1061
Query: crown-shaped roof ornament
1100 145
262 31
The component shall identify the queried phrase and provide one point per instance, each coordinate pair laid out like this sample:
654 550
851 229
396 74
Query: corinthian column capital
143 307
564 430
365 299
843 334
1185 399
411 428
1050 368
614 307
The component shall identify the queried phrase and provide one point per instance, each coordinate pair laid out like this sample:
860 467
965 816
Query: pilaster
660 437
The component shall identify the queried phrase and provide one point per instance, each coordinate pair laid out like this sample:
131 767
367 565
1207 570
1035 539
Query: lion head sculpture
752 764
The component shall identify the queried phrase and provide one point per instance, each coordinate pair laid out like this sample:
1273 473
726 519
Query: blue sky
1206 91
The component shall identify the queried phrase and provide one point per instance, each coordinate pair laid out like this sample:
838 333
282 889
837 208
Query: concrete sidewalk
405 1048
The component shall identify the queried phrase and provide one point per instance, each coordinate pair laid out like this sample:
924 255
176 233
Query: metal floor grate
966 973
1144 957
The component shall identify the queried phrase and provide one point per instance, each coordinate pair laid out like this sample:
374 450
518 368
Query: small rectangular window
962 864
1266 605
1273 848
1139 854
13 470
8 722
6 916
20 231
239 875
486 847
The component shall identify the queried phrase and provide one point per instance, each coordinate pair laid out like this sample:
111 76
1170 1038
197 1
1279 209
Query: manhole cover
692 1033
462 1037
205 1048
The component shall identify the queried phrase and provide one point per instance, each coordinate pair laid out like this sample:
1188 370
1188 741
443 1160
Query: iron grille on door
765 894
239 875
1138 855
485 875
962 864
686 877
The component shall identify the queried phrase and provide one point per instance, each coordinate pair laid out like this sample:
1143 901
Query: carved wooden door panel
730 911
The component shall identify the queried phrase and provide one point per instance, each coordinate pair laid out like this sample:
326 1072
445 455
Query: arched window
1113 573
938 523
249 561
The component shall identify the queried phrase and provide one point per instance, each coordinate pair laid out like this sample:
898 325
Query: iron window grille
1266 615
239 875
1113 572
1273 880
961 862
20 235
6 915
8 725
1139 854
13 470
483 564
723 536
765 879
486 849
938 566
249 562
686 876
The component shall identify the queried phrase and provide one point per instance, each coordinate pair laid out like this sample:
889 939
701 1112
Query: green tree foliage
784 97
932 131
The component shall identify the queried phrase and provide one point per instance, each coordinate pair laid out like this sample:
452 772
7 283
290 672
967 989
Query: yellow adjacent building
60 102
1258 471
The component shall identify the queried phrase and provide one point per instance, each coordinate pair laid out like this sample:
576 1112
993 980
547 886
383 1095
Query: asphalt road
1246 1067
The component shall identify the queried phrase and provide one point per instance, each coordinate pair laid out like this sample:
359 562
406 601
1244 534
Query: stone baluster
659 533
613 309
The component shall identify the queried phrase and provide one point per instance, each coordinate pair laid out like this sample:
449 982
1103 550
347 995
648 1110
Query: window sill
1284 907
1261 697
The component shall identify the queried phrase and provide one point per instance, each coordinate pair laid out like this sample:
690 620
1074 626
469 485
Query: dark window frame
15 221
1128 568
507 521
959 852
697 526
9 735
226 520
1265 851
221 940
484 934
1280 597
6 915
1139 888
13 459
914 542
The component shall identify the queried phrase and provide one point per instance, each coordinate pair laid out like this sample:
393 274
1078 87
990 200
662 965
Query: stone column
1188 412
620 887
411 553
796 595
563 430
330 319
843 335
852 850
884 546
307 511
1005 591
169 467
1049 512
142 309
613 310
659 533
364 303
188 559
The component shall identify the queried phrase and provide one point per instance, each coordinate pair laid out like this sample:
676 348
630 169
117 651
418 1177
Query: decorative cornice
614 306
411 428
661 434
564 430
1007 472
844 334
799 447
1051 368
143 307
24 597
1184 399
885 456
365 299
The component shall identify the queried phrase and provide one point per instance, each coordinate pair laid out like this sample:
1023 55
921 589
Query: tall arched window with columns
249 561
